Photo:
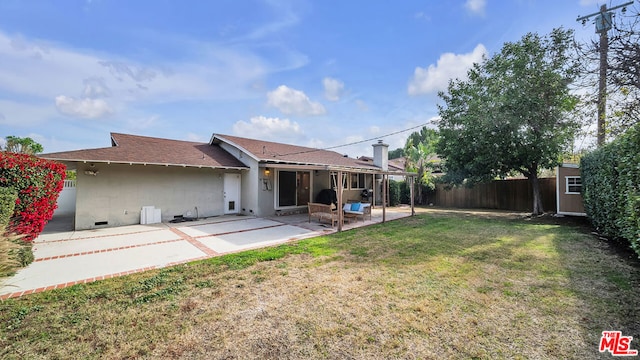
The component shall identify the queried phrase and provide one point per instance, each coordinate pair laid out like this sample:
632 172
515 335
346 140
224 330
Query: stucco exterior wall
266 192
118 192
250 189
321 181
250 181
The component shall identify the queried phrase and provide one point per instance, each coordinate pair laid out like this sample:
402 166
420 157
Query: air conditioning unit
150 215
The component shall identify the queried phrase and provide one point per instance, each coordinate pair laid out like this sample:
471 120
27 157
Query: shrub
394 193
8 199
400 192
38 183
611 188
14 252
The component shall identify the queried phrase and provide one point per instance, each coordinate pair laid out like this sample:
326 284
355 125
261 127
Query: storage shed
569 190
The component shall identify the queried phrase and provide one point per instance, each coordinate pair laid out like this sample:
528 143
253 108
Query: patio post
384 197
339 209
413 210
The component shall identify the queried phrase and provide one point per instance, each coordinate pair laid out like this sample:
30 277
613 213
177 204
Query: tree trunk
537 198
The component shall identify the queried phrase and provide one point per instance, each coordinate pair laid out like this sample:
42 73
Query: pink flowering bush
38 183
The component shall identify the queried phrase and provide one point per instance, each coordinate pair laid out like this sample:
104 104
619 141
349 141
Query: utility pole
603 23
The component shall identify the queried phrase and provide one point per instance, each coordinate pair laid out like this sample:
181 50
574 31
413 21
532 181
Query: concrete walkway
65 258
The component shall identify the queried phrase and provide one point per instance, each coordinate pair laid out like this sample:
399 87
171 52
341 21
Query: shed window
574 184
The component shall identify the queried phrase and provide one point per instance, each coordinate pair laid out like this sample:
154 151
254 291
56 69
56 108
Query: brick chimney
381 155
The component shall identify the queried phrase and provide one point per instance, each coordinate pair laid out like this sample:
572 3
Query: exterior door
231 193
304 188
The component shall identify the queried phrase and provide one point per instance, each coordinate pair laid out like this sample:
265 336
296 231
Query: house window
334 182
574 184
357 182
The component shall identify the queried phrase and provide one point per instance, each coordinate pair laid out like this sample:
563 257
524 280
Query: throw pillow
355 207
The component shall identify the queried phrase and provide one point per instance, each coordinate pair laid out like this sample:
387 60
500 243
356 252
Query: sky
313 73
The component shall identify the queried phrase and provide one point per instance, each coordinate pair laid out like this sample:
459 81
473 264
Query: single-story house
397 166
228 175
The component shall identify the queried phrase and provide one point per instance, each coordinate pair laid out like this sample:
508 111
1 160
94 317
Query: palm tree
420 151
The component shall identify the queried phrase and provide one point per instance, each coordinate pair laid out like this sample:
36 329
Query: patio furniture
322 212
357 209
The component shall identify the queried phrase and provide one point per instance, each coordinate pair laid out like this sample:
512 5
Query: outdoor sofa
357 209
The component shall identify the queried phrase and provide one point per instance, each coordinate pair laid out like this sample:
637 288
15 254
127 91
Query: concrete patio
64 257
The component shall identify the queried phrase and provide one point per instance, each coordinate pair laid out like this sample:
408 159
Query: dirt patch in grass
439 285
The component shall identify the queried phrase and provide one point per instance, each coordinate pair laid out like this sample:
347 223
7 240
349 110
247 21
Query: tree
624 67
420 150
511 114
397 153
25 145
623 74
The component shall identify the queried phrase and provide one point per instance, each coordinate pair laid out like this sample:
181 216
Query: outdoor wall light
267 171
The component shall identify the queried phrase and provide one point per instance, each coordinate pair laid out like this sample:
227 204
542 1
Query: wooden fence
515 194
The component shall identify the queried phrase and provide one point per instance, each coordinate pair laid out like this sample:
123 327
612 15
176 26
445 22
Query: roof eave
109 162
229 142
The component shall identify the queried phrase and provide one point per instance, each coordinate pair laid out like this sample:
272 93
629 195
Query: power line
355 142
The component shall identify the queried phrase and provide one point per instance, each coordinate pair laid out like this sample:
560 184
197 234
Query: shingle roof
132 149
272 152
394 164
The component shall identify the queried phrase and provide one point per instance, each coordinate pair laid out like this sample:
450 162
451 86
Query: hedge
38 183
8 198
399 193
611 188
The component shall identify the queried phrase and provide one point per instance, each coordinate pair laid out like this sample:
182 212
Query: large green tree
511 114
24 145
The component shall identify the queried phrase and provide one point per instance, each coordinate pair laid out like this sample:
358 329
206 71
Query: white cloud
449 66
422 16
25 114
95 87
332 88
476 7
141 123
36 70
591 2
293 102
362 105
196 138
83 108
273 129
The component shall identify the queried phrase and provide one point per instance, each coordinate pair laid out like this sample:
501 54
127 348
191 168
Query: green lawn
439 285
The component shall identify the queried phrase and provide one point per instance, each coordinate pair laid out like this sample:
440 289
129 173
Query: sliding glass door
294 188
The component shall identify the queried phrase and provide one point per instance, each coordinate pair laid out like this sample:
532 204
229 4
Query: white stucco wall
250 181
266 193
118 192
